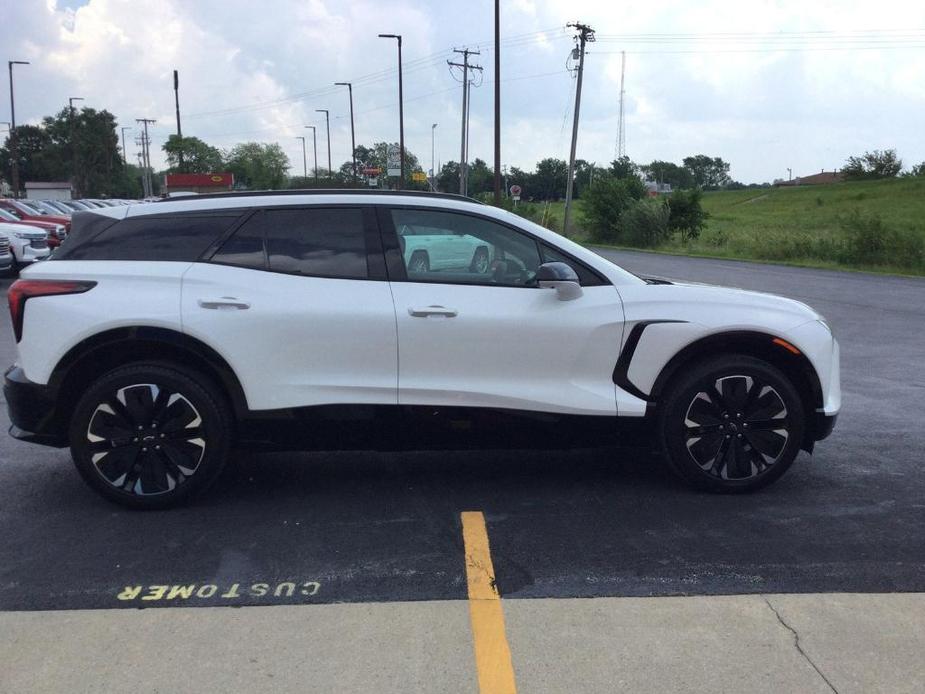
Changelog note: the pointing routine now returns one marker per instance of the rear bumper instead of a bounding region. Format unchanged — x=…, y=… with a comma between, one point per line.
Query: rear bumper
x=31, y=407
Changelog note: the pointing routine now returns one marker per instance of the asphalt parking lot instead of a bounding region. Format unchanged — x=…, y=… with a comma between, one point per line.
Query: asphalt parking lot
x=361, y=527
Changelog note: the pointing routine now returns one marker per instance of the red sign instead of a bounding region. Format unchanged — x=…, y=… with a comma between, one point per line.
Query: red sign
x=372, y=171
x=215, y=180
x=515, y=191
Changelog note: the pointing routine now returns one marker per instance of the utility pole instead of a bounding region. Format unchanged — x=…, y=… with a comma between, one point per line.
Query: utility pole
x=14, y=138
x=146, y=154
x=433, y=149
x=304, y=159
x=124, y=153
x=585, y=34
x=353, y=140
x=314, y=150
x=621, y=130
x=497, y=102
x=401, y=111
x=327, y=120
x=176, y=98
x=789, y=174
x=464, y=137
x=70, y=106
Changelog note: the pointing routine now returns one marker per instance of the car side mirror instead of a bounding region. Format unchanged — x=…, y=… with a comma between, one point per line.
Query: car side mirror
x=562, y=278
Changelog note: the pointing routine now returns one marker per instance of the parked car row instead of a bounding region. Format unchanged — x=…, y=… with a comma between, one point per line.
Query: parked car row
x=31, y=229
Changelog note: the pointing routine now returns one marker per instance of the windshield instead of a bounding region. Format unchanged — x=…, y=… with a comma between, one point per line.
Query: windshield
x=9, y=215
x=29, y=209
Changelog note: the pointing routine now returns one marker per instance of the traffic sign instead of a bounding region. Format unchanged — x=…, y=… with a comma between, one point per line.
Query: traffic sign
x=515, y=192
x=372, y=171
x=419, y=176
x=393, y=163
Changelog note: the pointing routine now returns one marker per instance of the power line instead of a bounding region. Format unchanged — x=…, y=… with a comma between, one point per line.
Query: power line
x=585, y=35
x=464, y=140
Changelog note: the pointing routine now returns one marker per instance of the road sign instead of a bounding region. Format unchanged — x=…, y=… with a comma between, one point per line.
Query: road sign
x=515, y=192
x=419, y=176
x=372, y=171
x=393, y=163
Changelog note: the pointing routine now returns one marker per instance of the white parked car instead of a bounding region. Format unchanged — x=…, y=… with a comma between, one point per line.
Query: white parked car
x=27, y=243
x=159, y=336
x=6, y=255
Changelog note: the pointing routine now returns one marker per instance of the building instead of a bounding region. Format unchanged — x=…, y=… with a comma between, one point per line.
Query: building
x=198, y=183
x=820, y=179
x=654, y=188
x=49, y=190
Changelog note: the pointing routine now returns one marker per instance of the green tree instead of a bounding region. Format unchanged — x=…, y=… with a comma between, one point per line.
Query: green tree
x=707, y=172
x=873, y=165
x=623, y=168
x=605, y=202
x=678, y=177
x=686, y=215
x=448, y=178
x=918, y=170
x=258, y=166
x=549, y=179
x=198, y=157
x=377, y=157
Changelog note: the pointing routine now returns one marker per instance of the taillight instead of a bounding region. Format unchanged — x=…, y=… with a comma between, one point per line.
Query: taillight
x=21, y=290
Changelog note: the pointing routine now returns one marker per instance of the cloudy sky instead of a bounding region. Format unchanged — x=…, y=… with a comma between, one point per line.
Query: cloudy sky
x=765, y=85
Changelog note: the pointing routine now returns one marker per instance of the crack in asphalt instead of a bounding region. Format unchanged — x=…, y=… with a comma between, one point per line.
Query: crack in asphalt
x=796, y=643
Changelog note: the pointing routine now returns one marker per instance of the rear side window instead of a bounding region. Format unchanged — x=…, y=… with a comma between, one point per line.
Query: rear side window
x=317, y=242
x=176, y=237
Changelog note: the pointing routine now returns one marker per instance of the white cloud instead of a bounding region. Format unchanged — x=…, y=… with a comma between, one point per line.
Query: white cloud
x=763, y=111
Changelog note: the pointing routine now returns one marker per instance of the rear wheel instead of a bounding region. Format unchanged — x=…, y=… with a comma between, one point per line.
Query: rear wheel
x=150, y=435
x=731, y=424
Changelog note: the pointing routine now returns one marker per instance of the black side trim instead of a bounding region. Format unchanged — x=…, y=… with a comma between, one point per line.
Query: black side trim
x=31, y=408
x=621, y=370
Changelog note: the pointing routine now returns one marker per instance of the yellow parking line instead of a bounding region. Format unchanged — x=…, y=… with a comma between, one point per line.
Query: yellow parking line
x=492, y=653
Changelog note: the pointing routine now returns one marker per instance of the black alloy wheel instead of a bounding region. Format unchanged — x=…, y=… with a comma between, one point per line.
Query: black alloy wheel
x=149, y=436
x=732, y=424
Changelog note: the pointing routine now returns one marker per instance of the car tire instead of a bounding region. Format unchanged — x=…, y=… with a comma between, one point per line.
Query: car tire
x=420, y=262
x=150, y=435
x=480, y=261
x=732, y=423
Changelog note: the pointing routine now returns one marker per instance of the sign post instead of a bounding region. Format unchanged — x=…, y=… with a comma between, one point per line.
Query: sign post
x=393, y=160
x=515, y=194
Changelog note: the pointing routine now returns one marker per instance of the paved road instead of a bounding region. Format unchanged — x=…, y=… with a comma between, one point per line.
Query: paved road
x=355, y=527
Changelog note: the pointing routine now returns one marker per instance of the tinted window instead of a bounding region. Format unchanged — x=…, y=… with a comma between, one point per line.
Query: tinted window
x=447, y=247
x=181, y=237
x=245, y=247
x=586, y=276
x=320, y=242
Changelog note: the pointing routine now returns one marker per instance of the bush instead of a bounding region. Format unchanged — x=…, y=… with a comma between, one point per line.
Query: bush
x=604, y=203
x=868, y=241
x=686, y=213
x=645, y=223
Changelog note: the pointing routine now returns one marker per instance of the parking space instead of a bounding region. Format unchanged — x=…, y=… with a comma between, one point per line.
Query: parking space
x=356, y=527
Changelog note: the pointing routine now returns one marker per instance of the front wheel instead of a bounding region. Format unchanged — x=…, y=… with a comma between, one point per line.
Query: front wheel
x=731, y=424
x=150, y=435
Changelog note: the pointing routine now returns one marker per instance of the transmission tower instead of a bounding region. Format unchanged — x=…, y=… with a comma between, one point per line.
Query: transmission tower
x=621, y=131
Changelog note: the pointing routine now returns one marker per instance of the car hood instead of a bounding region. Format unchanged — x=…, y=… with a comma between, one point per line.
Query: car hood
x=30, y=230
x=712, y=305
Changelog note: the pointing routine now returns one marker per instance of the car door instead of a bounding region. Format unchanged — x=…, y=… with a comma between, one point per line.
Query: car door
x=296, y=300
x=493, y=338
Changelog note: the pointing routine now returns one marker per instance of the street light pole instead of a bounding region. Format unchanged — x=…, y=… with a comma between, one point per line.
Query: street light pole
x=70, y=105
x=327, y=122
x=433, y=149
x=401, y=110
x=304, y=160
x=124, y=153
x=314, y=150
x=14, y=140
x=353, y=141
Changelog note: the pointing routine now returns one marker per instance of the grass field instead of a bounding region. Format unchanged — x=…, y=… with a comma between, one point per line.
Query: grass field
x=870, y=225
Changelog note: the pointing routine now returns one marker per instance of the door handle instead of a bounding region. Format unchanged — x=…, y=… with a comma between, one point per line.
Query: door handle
x=225, y=303
x=433, y=311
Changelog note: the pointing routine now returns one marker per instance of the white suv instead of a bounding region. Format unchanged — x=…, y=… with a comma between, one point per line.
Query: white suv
x=160, y=336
